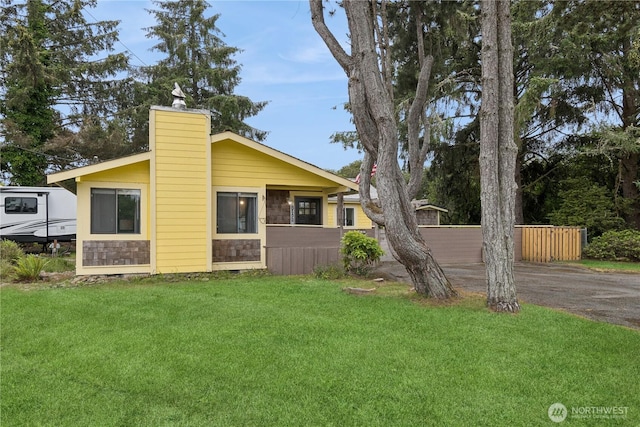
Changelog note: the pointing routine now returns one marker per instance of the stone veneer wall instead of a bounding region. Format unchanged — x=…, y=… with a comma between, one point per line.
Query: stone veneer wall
x=115, y=252
x=277, y=207
x=236, y=250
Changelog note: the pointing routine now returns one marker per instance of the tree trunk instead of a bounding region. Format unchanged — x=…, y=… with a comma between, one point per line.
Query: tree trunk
x=402, y=230
x=498, y=153
x=373, y=109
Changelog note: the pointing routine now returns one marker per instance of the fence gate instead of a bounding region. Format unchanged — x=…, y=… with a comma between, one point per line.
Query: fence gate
x=549, y=243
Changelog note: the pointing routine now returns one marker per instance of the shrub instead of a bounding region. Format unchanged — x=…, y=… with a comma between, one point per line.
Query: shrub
x=615, y=245
x=6, y=270
x=328, y=272
x=10, y=251
x=359, y=252
x=29, y=267
x=586, y=205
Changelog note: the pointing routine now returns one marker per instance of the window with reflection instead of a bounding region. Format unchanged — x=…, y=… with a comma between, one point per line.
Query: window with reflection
x=237, y=213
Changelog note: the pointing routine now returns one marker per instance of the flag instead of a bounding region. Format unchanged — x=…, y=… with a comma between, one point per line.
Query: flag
x=373, y=172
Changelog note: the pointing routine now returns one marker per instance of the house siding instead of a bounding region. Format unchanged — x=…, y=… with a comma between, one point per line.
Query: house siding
x=362, y=220
x=234, y=164
x=137, y=172
x=236, y=167
x=178, y=179
x=92, y=256
x=428, y=217
x=182, y=191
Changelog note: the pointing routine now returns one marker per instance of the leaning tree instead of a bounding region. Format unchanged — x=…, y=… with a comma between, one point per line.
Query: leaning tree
x=371, y=96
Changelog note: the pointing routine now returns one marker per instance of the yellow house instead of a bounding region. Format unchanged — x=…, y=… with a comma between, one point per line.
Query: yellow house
x=353, y=215
x=197, y=202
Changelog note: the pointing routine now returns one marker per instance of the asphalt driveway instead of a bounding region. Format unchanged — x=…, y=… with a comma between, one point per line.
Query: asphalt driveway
x=606, y=297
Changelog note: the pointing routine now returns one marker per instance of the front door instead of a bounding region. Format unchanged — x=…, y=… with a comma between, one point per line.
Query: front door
x=309, y=210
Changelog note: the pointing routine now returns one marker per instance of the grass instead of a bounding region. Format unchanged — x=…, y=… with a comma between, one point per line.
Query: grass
x=609, y=265
x=60, y=264
x=293, y=351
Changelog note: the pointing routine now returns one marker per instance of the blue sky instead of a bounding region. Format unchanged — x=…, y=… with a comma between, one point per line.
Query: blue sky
x=283, y=61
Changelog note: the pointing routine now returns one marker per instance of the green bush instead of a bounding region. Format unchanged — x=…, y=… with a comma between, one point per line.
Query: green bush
x=359, y=252
x=6, y=270
x=29, y=267
x=615, y=245
x=587, y=205
x=328, y=272
x=10, y=251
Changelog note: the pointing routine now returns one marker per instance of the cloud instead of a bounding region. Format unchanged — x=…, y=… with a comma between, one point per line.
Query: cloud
x=310, y=54
x=278, y=73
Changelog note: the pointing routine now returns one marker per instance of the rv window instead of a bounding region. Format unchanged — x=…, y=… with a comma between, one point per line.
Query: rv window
x=115, y=211
x=237, y=213
x=21, y=205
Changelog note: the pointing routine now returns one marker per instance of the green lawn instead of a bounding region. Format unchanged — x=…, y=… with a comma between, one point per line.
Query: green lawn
x=292, y=351
x=609, y=265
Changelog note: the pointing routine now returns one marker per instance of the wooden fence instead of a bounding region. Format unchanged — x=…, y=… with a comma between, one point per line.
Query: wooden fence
x=460, y=244
x=549, y=243
x=297, y=250
x=292, y=261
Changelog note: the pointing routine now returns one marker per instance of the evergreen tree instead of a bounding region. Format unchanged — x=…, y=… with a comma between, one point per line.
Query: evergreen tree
x=201, y=63
x=586, y=204
x=597, y=50
x=51, y=80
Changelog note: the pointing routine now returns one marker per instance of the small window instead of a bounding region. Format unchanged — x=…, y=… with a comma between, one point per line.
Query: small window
x=115, y=211
x=237, y=213
x=21, y=205
x=349, y=216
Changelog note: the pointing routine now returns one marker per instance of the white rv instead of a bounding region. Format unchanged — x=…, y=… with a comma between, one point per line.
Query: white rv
x=37, y=214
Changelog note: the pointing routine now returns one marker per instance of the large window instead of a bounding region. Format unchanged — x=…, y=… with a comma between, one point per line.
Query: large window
x=237, y=213
x=115, y=211
x=20, y=205
x=308, y=210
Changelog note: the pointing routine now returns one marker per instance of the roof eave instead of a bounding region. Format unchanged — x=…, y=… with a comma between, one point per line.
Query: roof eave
x=98, y=167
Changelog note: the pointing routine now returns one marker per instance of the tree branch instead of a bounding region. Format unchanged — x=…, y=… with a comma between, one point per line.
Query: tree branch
x=317, y=18
x=382, y=34
x=370, y=208
x=417, y=154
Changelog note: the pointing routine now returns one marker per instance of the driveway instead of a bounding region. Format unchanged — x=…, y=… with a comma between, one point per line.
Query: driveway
x=606, y=297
